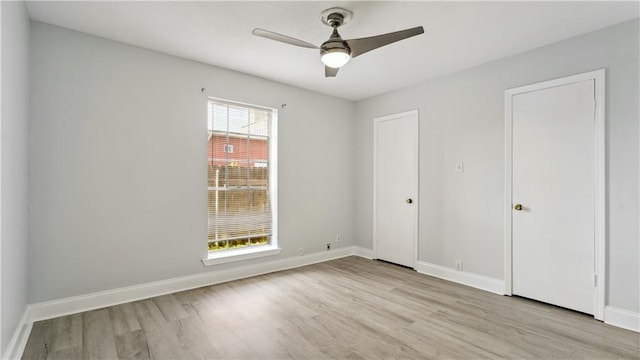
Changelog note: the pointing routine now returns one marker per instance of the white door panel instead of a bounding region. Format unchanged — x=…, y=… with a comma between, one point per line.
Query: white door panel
x=396, y=190
x=553, y=179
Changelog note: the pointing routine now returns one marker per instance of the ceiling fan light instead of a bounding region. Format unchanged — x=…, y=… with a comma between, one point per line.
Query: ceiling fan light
x=335, y=58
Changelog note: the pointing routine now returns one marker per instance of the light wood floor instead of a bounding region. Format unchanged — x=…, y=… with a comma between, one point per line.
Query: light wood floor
x=351, y=308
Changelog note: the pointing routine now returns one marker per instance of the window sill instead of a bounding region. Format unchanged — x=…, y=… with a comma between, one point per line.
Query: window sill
x=240, y=255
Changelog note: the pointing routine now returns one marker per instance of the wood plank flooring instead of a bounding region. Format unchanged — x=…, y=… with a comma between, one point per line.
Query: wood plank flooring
x=350, y=308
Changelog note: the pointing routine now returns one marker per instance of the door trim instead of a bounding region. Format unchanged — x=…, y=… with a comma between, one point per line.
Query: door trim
x=376, y=121
x=599, y=181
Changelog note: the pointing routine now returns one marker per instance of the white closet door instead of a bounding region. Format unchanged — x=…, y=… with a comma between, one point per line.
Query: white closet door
x=396, y=188
x=553, y=195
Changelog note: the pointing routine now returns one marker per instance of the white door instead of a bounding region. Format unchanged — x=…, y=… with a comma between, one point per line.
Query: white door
x=553, y=195
x=396, y=188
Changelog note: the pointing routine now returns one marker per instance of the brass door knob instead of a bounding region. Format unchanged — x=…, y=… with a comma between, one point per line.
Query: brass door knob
x=409, y=201
x=518, y=207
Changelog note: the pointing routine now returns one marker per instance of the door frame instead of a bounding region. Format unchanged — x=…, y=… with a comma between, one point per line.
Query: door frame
x=599, y=181
x=416, y=202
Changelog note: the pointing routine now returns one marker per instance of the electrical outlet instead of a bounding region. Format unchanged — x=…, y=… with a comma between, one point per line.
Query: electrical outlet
x=338, y=238
x=459, y=265
x=328, y=246
x=301, y=251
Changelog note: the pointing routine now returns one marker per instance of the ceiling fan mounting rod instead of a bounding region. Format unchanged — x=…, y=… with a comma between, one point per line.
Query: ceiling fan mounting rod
x=335, y=20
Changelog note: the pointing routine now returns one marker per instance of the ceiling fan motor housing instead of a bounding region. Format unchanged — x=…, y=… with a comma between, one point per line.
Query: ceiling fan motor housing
x=335, y=43
x=335, y=52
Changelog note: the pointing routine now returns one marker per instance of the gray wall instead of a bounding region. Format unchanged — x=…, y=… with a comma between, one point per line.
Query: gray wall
x=14, y=162
x=118, y=163
x=462, y=119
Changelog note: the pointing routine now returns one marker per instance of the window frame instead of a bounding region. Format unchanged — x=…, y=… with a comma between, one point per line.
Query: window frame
x=252, y=252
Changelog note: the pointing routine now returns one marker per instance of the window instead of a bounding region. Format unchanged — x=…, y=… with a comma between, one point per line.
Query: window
x=241, y=176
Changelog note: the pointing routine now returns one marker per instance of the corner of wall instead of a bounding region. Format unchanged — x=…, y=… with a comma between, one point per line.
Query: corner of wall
x=1, y=343
x=14, y=113
x=15, y=347
x=363, y=252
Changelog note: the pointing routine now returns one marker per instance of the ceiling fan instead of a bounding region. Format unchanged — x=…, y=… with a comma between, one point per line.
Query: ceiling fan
x=336, y=52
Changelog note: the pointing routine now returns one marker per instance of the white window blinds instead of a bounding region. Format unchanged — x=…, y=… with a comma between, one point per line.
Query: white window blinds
x=239, y=204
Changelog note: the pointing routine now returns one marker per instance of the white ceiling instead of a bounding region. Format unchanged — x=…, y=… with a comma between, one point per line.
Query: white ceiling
x=458, y=35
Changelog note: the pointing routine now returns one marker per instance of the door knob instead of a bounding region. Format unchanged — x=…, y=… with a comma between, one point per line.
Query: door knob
x=409, y=201
x=518, y=207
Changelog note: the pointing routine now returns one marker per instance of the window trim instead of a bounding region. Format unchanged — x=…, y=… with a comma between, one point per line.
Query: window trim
x=252, y=252
x=233, y=255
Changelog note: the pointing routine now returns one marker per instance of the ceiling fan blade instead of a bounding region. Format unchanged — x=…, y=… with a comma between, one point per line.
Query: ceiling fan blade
x=282, y=38
x=330, y=72
x=363, y=45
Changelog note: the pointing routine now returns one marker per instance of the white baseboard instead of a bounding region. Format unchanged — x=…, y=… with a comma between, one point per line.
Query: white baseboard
x=622, y=318
x=19, y=339
x=97, y=300
x=481, y=282
x=363, y=252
